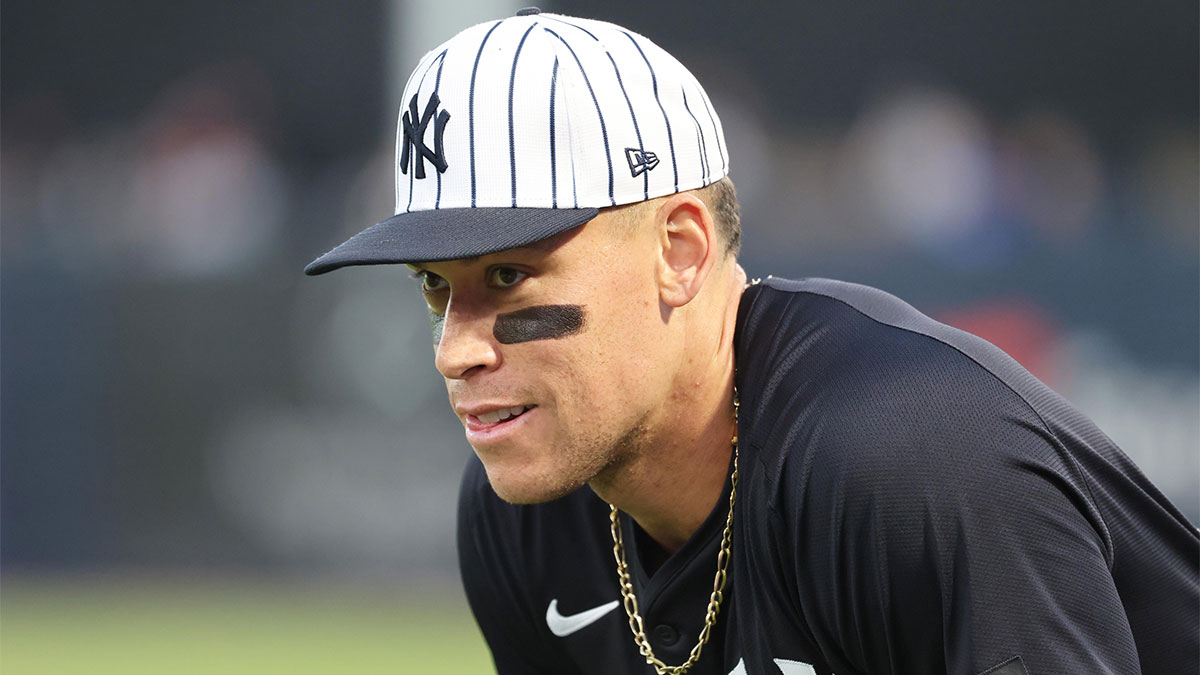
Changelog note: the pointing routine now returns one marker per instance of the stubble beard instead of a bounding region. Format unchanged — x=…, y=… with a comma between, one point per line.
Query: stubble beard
x=621, y=456
x=597, y=461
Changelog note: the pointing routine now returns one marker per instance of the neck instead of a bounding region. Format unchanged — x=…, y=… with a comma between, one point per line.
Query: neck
x=671, y=483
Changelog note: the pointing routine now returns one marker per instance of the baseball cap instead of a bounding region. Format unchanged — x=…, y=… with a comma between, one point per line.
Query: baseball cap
x=518, y=129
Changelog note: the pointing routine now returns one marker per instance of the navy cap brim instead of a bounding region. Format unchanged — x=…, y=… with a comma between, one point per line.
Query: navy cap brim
x=448, y=234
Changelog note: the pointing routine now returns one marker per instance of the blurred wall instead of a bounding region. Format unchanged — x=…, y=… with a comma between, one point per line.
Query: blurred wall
x=175, y=395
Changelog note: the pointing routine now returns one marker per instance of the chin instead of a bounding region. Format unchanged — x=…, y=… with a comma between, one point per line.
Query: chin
x=517, y=487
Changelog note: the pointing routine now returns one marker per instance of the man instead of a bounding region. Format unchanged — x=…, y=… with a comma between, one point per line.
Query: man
x=683, y=472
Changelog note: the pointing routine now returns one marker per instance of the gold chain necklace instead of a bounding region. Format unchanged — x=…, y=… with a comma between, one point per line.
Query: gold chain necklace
x=714, y=600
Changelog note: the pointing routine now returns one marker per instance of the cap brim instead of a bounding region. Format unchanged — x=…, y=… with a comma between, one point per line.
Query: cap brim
x=448, y=234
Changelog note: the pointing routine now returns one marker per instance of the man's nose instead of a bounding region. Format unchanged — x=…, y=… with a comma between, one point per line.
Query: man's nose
x=466, y=344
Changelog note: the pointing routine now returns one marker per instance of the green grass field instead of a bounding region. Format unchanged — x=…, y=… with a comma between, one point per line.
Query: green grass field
x=168, y=626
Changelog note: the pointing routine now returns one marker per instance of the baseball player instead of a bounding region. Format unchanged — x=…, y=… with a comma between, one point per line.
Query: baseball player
x=683, y=471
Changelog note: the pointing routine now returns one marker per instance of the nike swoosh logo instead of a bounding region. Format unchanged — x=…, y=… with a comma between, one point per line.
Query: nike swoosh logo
x=563, y=626
x=786, y=667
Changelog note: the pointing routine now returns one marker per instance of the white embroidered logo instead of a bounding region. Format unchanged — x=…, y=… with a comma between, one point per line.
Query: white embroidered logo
x=563, y=626
x=786, y=667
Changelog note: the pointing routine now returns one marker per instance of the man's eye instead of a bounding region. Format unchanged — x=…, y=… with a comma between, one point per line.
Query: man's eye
x=503, y=277
x=430, y=282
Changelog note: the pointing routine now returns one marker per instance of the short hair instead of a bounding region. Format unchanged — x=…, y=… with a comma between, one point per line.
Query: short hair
x=720, y=198
x=722, y=201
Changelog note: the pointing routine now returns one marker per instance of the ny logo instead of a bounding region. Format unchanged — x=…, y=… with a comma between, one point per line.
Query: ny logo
x=414, y=137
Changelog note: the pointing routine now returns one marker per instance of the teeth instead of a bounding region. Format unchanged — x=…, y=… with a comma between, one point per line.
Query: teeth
x=502, y=414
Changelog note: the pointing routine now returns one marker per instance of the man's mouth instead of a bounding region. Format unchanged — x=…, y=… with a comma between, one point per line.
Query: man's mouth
x=503, y=414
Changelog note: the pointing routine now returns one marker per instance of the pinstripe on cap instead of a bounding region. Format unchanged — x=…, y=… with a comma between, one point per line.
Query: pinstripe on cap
x=515, y=130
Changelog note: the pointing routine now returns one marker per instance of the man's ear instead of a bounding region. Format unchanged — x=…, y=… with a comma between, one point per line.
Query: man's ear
x=688, y=247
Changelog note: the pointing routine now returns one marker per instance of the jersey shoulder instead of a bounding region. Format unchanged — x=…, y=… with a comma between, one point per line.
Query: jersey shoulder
x=831, y=319
x=856, y=384
x=891, y=454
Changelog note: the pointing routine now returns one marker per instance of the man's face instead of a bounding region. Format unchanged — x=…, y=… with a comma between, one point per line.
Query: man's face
x=553, y=354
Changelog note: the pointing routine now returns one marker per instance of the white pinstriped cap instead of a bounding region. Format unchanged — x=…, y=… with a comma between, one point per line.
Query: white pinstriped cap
x=515, y=130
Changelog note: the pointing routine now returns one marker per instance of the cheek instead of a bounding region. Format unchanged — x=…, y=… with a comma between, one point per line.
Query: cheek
x=627, y=329
x=607, y=365
x=635, y=349
x=599, y=357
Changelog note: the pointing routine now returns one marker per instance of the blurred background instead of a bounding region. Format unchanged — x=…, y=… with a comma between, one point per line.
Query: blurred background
x=211, y=462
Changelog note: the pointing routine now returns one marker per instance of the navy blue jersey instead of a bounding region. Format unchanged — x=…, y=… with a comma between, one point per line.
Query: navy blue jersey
x=910, y=500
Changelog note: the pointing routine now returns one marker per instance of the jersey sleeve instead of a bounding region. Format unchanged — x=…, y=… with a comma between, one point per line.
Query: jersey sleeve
x=961, y=540
x=487, y=558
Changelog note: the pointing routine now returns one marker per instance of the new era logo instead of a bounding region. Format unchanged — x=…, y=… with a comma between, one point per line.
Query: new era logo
x=640, y=161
